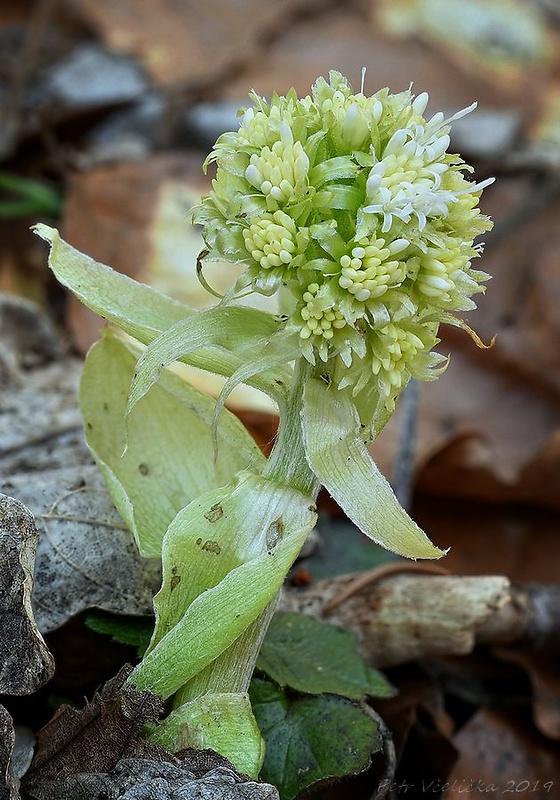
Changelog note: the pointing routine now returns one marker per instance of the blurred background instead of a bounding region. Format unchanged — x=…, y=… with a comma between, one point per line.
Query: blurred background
x=108, y=110
x=109, y=107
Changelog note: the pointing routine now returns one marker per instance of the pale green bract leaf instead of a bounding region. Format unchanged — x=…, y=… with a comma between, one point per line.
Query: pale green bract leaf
x=234, y=329
x=275, y=353
x=142, y=311
x=225, y=557
x=218, y=532
x=223, y=722
x=341, y=461
x=170, y=458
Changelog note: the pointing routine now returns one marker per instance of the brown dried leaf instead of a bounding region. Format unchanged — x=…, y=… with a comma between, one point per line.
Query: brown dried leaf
x=185, y=41
x=520, y=543
x=315, y=46
x=420, y=725
x=545, y=682
x=94, y=738
x=502, y=753
x=25, y=661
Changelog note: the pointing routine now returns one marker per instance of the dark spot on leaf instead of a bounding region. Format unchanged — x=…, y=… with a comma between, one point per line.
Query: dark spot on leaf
x=212, y=547
x=274, y=533
x=175, y=581
x=215, y=513
x=105, y=406
x=143, y=469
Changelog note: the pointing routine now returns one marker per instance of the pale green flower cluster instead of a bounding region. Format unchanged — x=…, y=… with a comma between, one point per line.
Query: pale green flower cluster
x=353, y=208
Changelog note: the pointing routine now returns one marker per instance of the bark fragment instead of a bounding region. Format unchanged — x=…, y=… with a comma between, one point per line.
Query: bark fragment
x=402, y=617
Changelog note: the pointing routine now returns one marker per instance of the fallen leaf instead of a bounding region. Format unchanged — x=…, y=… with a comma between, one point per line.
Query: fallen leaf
x=421, y=728
x=73, y=507
x=321, y=43
x=521, y=543
x=25, y=661
x=160, y=780
x=40, y=425
x=311, y=739
x=173, y=41
x=501, y=752
x=94, y=738
x=540, y=665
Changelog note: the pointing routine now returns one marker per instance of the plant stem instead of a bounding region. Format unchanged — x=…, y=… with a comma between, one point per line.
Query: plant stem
x=288, y=463
x=232, y=670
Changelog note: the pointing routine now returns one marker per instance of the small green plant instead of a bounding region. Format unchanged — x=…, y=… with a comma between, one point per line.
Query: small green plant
x=22, y=197
x=352, y=210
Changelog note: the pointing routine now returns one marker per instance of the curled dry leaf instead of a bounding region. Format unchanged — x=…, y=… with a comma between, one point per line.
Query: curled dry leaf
x=92, y=739
x=25, y=661
x=158, y=780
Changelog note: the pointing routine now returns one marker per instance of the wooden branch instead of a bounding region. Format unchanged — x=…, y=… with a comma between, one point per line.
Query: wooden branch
x=400, y=617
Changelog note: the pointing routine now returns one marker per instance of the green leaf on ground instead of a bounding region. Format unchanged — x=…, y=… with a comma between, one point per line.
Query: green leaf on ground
x=310, y=739
x=134, y=631
x=314, y=657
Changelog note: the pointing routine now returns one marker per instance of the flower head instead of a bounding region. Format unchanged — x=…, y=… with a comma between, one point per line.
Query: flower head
x=353, y=209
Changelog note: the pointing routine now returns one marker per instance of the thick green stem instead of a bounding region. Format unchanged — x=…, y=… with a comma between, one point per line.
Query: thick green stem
x=232, y=670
